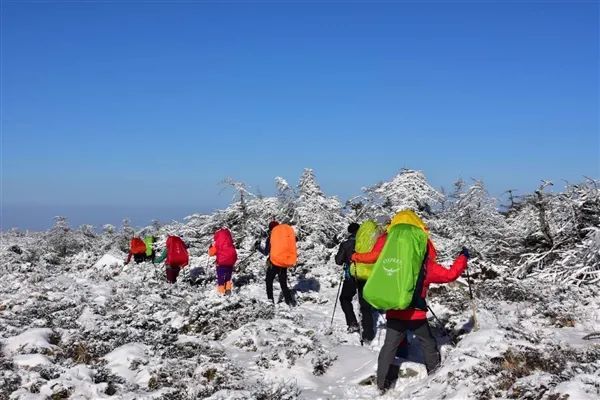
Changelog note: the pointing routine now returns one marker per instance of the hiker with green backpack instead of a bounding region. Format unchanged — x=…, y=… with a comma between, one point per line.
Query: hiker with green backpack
x=362, y=238
x=405, y=266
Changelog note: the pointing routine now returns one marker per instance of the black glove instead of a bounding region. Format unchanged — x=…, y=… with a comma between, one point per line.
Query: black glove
x=465, y=252
x=257, y=245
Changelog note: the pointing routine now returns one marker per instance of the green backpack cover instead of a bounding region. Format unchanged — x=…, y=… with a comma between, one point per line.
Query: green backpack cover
x=366, y=236
x=394, y=277
x=149, y=241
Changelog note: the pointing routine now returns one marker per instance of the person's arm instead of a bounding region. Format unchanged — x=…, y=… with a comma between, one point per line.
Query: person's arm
x=436, y=273
x=265, y=250
x=371, y=257
x=212, y=251
x=161, y=258
x=342, y=255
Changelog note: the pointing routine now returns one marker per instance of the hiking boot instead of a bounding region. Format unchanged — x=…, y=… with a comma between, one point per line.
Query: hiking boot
x=352, y=329
x=227, y=292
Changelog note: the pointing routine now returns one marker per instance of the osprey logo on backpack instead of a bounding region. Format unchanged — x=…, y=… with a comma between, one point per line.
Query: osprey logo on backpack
x=396, y=265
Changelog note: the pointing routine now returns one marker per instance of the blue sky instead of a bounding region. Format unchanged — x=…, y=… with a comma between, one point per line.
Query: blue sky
x=140, y=109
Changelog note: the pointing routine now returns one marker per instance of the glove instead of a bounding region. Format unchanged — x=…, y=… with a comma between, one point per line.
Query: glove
x=465, y=252
x=257, y=245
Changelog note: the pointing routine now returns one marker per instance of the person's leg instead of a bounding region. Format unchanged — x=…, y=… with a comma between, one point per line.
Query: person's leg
x=287, y=295
x=269, y=281
x=366, y=311
x=138, y=258
x=228, y=283
x=431, y=353
x=394, y=334
x=172, y=274
x=221, y=275
x=348, y=292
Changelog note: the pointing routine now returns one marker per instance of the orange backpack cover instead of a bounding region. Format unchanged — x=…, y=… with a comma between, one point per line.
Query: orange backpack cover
x=283, y=246
x=137, y=246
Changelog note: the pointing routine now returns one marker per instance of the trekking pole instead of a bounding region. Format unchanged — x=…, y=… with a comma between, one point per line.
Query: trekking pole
x=472, y=300
x=360, y=316
x=442, y=326
x=337, y=296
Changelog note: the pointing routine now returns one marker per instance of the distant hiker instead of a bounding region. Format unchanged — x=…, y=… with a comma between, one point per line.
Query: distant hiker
x=224, y=249
x=280, y=248
x=343, y=257
x=176, y=256
x=405, y=266
x=137, y=249
x=149, y=242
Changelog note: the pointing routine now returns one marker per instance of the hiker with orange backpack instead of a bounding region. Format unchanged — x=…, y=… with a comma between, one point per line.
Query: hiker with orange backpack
x=137, y=249
x=405, y=266
x=176, y=256
x=280, y=249
x=224, y=249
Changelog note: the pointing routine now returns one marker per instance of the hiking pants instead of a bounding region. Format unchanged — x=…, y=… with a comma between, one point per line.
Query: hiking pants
x=281, y=273
x=223, y=274
x=172, y=273
x=396, y=333
x=138, y=258
x=349, y=289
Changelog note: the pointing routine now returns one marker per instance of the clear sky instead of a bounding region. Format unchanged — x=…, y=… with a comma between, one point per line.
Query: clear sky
x=113, y=109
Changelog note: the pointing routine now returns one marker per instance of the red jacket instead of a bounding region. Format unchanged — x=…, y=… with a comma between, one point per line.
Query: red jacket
x=434, y=273
x=223, y=248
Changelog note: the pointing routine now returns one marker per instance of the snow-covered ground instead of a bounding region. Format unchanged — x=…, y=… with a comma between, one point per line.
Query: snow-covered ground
x=76, y=323
x=93, y=328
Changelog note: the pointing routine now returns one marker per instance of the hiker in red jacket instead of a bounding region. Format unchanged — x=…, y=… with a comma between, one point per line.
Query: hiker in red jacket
x=224, y=249
x=175, y=256
x=415, y=317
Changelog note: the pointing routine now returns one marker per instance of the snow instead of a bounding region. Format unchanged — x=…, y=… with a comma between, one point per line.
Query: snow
x=80, y=324
x=32, y=340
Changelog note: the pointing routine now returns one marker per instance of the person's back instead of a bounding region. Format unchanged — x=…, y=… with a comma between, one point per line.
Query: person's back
x=224, y=249
x=137, y=250
x=280, y=254
x=414, y=317
x=175, y=255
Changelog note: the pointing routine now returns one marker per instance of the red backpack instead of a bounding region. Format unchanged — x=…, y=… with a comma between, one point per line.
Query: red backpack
x=226, y=254
x=177, y=254
x=137, y=246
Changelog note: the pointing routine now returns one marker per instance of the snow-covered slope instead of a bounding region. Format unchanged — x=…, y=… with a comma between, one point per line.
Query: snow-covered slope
x=96, y=329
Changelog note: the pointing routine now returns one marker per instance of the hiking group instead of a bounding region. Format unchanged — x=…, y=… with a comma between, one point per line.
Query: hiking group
x=388, y=263
x=280, y=249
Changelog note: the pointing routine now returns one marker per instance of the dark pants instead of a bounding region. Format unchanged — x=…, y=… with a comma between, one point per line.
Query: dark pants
x=349, y=289
x=172, y=273
x=138, y=258
x=395, y=334
x=223, y=275
x=281, y=273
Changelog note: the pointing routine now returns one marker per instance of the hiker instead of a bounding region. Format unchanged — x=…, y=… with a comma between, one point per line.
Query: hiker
x=224, y=249
x=280, y=249
x=414, y=246
x=137, y=249
x=149, y=242
x=176, y=256
x=353, y=284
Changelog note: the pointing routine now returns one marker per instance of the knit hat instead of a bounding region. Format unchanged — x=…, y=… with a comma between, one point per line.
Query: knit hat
x=273, y=224
x=353, y=228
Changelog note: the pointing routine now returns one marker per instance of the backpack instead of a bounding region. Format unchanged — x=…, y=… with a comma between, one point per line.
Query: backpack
x=149, y=241
x=177, y=254
x=366, y=236
x=395, y=274
x=283, y=246
x=137, y=246
x=226, y=254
